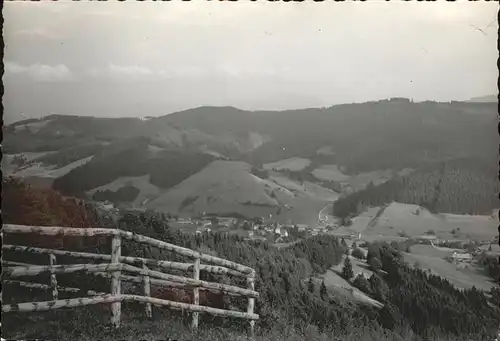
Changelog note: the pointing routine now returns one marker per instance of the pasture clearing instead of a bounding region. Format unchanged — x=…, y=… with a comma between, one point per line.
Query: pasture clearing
x=463, y=276
x=330, y=173
x=406, y=220
x=334, y=282
x=230, y=187
x=142, y=183
x=293, y=164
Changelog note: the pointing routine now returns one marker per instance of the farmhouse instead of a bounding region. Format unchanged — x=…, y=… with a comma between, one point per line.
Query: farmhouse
x=461, y=257
x=282, y=232
x=427, y=239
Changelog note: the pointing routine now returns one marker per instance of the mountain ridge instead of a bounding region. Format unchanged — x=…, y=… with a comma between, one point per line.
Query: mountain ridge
x=386, y=136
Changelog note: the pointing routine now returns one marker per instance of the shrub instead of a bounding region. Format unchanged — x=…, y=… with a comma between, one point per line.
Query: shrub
x=358, y=253
x=362, y=284
x=375, y=264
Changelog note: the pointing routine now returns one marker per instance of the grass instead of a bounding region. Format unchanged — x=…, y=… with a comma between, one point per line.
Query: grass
x=147, y=190
x=402, y=220
x=91, y=324
x=293, y=164
x=465, y=277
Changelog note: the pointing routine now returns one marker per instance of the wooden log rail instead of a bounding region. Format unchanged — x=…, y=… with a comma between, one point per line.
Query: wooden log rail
x=49, y=287
x=129, y=260
x=89, y=232
x=21, y=271
x=78, y=302
x=115, y=269
x=134, y=279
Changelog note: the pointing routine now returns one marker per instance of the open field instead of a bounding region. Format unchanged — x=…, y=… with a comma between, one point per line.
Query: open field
x=326, y=150
x=38, y=169
x=462, y=276
x=354, y=182
x=429, y=251
x=37, y=174
x=147, y=190
x=330, y=173
x=293, y=164
x=405, y=220
x=230, y=187
x=8, y=167
x=402, y=221
x=307, y=189
x=334, y=282
x=33, y=127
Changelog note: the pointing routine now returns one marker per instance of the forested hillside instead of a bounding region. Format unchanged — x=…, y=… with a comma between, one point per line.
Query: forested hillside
x=24, y=205
x=165, y=167
x=463, y=186
x=57, y=132
x=385, y=134
x=413, y=300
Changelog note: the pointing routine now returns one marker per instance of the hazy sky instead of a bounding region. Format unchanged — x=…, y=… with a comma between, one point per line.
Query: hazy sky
x=152, y=58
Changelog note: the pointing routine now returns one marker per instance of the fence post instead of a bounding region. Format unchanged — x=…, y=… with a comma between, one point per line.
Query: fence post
x=196, y=293
x=115, y=280
x=53, y=278
x=251, y=303
x=147, y=291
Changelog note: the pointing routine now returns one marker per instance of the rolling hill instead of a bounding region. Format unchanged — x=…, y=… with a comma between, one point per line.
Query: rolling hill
x=230, y=187
x=484, y=99
x=332, y=148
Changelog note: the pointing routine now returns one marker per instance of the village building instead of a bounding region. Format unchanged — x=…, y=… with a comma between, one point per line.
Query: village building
x=301, y=227
x=461, y=257
x=282, y=232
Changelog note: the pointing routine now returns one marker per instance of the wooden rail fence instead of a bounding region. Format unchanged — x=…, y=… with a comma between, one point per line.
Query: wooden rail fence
x=140, y=267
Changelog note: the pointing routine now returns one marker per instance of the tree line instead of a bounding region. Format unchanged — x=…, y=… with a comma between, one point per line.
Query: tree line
x=460, y=187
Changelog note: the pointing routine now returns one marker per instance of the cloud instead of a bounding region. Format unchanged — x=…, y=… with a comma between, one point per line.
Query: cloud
x=41, y=72
x=184, y=71
x=130, y=71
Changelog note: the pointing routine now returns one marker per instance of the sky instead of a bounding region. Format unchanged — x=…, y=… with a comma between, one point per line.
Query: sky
x=152, y=58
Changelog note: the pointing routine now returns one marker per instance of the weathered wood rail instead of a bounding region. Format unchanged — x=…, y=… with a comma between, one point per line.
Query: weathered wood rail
x=118, y=264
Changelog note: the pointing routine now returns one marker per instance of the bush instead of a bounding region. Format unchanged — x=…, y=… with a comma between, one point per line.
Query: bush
x=362, y=284
x=375, y=264
x=358, y=253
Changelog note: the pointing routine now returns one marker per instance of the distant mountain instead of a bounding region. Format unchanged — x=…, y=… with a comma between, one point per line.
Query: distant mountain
x=387, y=135
x=484, y=99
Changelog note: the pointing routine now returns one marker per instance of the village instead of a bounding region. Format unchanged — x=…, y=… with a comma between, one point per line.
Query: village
x=280, y=234
x=258, y=228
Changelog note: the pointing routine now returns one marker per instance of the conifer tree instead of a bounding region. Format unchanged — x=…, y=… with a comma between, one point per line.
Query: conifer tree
x=310, y=285
x=322, y=290
x=347, y=272
x=343, y=242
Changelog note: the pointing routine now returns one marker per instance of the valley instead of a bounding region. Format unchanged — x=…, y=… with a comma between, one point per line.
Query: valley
x=251, y=171
x=242, y=177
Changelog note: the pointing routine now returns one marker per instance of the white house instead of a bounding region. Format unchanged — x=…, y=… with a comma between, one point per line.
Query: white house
x=461, y=257
x=281, y=231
